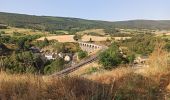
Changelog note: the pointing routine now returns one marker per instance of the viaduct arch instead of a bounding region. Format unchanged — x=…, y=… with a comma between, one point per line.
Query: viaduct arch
x=89, y=47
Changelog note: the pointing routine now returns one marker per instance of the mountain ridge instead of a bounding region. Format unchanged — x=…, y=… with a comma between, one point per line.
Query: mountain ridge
x=52, y=23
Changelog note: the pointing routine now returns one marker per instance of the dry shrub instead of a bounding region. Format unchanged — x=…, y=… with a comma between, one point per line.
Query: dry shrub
x=109, y=77
x=19, y=87
x=158, y=60
x=32, y=87
x=128, y=85
x=122, y=85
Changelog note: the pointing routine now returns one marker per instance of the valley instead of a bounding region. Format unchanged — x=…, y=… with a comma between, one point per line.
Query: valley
x=73, y=59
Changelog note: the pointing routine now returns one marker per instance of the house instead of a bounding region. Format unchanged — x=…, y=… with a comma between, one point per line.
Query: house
x=51, y=56
x=67, y=58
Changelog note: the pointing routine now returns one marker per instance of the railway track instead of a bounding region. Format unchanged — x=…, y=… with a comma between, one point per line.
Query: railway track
x=83, y=62
x=75, y=67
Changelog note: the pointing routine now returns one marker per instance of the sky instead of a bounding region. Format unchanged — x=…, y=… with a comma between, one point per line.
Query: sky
x=108, y=10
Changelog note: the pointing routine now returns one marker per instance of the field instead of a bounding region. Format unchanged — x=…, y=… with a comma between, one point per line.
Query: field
x=86, y=38
x=60, y=38
x=97, y=31
x=10, y=30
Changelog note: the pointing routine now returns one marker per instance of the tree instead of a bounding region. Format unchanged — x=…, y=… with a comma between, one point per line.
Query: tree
x=20, y=44
x=1, y=32
x=131, y=58
x=77, y=37
x=3, y=49
x=167, y=46
x=54, y=66
x=45, y=42
x=111, y=57
x=82, y=54
x=90, y=40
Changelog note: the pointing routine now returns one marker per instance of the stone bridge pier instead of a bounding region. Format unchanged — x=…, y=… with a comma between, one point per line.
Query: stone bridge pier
x=89, y=47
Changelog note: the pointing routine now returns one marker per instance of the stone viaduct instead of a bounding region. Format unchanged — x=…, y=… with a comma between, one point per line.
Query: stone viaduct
x=89, y=47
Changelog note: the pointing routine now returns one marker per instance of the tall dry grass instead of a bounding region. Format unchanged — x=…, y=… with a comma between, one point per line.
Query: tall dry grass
x=30, y=87
x=158, y=60
x=119, y=84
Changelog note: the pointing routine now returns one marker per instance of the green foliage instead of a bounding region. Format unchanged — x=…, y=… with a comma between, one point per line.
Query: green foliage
x=94, y=34
x=92, y=70
x=16, y=39
x=57, y=32
x=141, y=44
x=111, y=57
x=82, y=54
x=3, y=49
x=77, y=37
x=167, y=46
x=17, y=34
x=24, y=62
x=131, y=58
x=43, y=43
x=46, y=23
x=111, y=30
x=2, y=32
x=46, y=42
x=90, y=40
x=21, y=44
x=54, y=66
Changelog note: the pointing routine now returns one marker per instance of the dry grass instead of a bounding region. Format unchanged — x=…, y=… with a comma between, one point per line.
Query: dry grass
x=86, y=38
x=30, y=87
x=84, y=69
x=119, y=84
x=121, y=38
x=158, y=60
x=60, y=38
x=21, y=30
x=98, y=31
x=108, y=77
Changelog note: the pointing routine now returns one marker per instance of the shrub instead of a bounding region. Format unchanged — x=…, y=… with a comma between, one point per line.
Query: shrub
x=111, y=57
x=82, y=54
x=131, y=58
x=54, y=66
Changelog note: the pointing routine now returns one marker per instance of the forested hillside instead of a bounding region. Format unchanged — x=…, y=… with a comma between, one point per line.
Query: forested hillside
x=144, y=24
x=48, y=23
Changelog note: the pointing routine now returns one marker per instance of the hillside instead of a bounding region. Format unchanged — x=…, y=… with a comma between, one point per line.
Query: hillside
x=144, y=24
x=49, y=23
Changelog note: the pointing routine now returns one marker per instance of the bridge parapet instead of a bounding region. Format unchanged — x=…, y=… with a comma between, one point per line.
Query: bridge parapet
x=89, y=47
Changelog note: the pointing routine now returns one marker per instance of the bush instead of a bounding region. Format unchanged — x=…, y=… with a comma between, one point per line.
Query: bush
x=82, y=54
x=25, y=62
x=54, y=66
x=131, y=58
x=77, y=37
x=141, y=44
x=167, y=46
x=111, y=57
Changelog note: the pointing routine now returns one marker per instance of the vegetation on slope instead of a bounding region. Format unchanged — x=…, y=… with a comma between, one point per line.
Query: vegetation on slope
x=118, y=84
x=47, y=23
